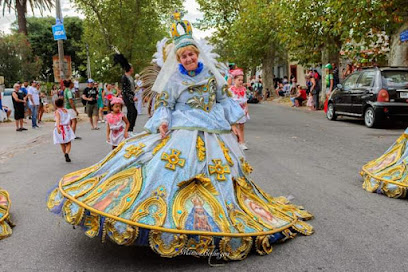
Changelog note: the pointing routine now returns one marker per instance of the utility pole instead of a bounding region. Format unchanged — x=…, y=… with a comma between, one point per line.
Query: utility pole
x=88, y=62
x=60, y=43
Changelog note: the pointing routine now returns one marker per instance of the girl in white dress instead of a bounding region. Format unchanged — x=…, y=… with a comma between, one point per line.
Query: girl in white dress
x=238, y=91
x=63, y=134
x=117, y=124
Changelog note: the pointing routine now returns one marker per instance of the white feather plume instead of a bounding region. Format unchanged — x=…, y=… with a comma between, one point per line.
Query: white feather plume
x=158, y=57
x=208, y=51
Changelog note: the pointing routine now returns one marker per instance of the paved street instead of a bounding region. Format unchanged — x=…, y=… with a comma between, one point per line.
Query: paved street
x=294, y=153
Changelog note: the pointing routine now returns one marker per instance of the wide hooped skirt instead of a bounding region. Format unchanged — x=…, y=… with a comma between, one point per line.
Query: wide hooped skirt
x=5, y=222
x=388, y=174
x=190, y=192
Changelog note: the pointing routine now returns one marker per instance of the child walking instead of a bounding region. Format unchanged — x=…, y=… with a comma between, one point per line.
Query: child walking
x=63, y=134
x=310, y=102
x=117, y=125
x=239, y=94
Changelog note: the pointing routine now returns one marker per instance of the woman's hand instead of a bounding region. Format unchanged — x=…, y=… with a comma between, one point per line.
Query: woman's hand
x=164, y=128
x=126, y=134
x=235, y=129
x=58, y=130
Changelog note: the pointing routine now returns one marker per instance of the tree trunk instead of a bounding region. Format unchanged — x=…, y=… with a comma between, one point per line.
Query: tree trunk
x=21, y=7
x=267, y=69
x=399, y=50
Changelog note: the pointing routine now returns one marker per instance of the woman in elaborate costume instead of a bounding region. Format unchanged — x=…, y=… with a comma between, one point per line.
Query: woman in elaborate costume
x=388, y=174
x=185, y=184
x=5, y=222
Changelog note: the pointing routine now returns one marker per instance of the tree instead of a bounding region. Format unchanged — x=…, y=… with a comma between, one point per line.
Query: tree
x=17, y=61
x=245, y=33
x=20, y=6
x=43, y=44
x=133, y=26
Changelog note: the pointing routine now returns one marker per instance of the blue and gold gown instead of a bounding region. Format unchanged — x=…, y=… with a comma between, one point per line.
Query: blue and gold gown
x=190, y=191
x=388, y=174
x=5, y=222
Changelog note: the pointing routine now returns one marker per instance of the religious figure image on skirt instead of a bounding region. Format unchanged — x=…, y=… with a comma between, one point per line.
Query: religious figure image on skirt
x=185, y=182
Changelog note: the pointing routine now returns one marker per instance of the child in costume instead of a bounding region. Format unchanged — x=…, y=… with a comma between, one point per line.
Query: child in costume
x=117, y=124
x=63, y=134
x=239, y=95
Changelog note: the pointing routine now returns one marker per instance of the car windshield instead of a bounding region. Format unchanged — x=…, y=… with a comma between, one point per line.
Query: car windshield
x=395, y=78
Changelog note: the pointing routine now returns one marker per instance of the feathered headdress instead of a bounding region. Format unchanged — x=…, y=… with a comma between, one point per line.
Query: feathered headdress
x=120, y=58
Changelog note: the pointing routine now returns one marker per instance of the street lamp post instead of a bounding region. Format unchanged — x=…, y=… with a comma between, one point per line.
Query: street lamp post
x=60, y=42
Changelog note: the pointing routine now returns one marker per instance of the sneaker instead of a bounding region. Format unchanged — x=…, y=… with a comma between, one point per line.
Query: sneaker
x=243, y=146
x=35, y=127
x=19, y=129
x=78, y=138
x=67, y=159
x=23, y=128
x=99, y=121
x=103, y=121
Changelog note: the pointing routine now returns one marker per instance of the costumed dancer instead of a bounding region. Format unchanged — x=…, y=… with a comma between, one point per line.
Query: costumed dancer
x=387, y=175
x=184, y=184
x=117, y=124
x=63, y=134
x=128, y=89
x=5, y=221
x=239, y=95
x=139, y=94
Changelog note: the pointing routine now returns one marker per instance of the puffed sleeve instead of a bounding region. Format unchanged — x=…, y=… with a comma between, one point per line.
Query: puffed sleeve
x=232, y=110
x=162, y=114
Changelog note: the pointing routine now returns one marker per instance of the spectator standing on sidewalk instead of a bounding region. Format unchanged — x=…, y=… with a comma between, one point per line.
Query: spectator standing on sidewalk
x=19, y=104
x=70, y=105
x=329, y=79
x=90, y=95
x=34, y=100
x=101, y=95
x=315, y=89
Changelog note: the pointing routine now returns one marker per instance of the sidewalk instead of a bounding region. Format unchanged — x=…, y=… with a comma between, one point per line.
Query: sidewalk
x=13, y=142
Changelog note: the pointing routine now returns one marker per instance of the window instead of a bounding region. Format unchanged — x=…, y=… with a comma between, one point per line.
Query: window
x=396, y=79
x=350, y=82
x=366, y=79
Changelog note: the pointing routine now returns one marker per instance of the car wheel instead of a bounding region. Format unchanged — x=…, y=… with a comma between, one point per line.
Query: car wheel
x=370, y=120
x=331, y=113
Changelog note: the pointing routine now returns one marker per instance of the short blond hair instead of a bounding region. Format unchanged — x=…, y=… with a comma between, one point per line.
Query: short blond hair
x=183, y=49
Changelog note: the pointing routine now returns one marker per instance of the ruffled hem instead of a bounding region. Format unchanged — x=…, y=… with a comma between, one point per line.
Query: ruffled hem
x=374, y=184
x=388, y=174
x=147, y=193
x=168, y=242
x=5, y=221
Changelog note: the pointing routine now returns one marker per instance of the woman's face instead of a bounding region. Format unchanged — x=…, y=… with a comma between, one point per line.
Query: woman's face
x=239, y=81
x=189, y=60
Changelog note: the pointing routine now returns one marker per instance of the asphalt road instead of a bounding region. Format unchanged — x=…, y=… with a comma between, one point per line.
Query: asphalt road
x=294, y=153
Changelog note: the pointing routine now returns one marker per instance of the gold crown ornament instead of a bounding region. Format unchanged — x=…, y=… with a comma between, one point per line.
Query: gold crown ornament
x=181, y=31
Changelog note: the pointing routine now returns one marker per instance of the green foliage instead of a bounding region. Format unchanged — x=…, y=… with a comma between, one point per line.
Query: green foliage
x=17, y=62
x=43, y=43
x=133, y=26
x=247, y=29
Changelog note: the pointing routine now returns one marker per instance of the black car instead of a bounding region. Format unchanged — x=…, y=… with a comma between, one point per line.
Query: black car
x=375, y=94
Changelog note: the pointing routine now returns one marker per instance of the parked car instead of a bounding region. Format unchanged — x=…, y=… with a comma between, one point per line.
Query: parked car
x=375, y=94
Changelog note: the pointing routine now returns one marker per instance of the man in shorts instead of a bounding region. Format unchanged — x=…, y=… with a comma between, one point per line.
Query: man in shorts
x=70, y=105
x=90, y=95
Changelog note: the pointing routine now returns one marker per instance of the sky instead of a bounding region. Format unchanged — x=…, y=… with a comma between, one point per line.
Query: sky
x=68, y=10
